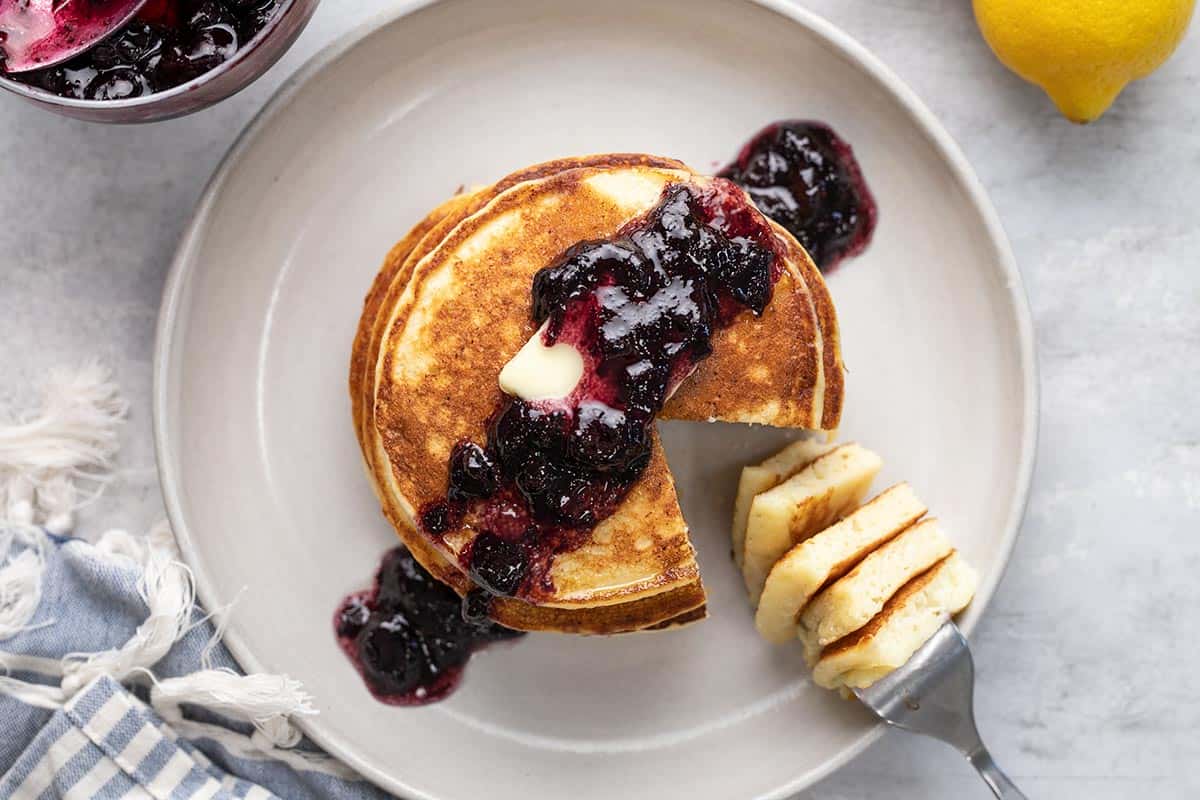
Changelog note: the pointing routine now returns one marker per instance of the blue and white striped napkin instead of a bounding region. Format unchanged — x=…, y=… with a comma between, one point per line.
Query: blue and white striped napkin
x=113, y=683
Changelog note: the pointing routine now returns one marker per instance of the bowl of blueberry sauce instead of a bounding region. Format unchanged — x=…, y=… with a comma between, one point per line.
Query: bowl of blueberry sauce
x=174, y=57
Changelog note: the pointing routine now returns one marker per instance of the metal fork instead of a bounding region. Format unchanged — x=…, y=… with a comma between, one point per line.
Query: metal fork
x=933, y=694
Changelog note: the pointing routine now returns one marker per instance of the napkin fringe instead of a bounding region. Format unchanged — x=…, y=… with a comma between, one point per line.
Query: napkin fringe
x=58, y=459
x=20, y=578
x=52, y=463
x=266, y=701
x=167, y=589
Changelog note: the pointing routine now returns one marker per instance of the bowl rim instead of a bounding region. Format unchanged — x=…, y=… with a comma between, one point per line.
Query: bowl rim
x=175, y=294
x=154, y=98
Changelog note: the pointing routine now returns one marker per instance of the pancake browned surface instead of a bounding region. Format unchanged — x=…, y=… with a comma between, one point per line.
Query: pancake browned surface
x=437, y=385
x=855, y=598
x=906, y=621
x=365, y=350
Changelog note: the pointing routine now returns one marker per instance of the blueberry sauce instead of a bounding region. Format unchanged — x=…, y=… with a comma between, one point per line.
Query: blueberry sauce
x=641, y=309
x=409, y=636
x=168, y=43
x=805, y=177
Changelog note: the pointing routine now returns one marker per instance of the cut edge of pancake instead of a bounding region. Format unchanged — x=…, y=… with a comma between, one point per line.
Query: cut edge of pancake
x=803, y=505
x=905, y=623
x=818, y=561
x=758, y=478
x=854, y=599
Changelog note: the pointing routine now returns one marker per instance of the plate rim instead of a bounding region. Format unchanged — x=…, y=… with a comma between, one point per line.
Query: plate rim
x=176, y=285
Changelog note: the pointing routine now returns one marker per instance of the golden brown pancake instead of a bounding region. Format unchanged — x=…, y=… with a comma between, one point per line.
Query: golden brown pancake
x=389, y=282
x=641, y=558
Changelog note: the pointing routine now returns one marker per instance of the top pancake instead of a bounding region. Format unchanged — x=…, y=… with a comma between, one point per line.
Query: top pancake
x=457, y=307
x=681, y=604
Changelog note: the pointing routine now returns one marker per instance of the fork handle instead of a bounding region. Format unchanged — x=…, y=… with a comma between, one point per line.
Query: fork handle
x=995, y=778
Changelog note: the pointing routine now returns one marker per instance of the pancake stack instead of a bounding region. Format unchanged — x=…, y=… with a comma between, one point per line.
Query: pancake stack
x=861, y=586
x=450, y=308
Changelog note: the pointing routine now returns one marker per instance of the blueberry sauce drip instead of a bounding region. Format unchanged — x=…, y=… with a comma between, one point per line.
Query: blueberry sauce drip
x=805, y=177
x=168, y=43
x=410, y=636
x=641, y=309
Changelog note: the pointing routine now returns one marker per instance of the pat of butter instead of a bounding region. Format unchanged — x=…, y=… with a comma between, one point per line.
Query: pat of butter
x=538, y=372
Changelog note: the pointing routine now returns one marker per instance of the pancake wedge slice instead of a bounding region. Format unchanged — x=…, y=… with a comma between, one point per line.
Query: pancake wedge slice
x=905, y=623
x=757, y=479
x=853, y=600
x=818, y=561
x=804, y=504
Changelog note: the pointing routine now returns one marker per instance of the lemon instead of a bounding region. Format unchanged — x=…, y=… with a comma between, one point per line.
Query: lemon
x=1083, y=52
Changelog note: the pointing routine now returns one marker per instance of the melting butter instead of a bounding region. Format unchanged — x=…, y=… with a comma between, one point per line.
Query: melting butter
x=538, y=372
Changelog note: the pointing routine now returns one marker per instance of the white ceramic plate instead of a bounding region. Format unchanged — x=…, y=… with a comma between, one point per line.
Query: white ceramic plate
x=259, y=462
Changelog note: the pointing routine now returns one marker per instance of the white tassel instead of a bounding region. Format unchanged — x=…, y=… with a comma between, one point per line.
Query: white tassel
x=33, y=694
x=72, y=439
x=167, y=589
x=38, y=665
x=18, y=500
x=20, y=579
x=265, y=701
x=219, y=617
x=248, y=748
x=122, y=544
